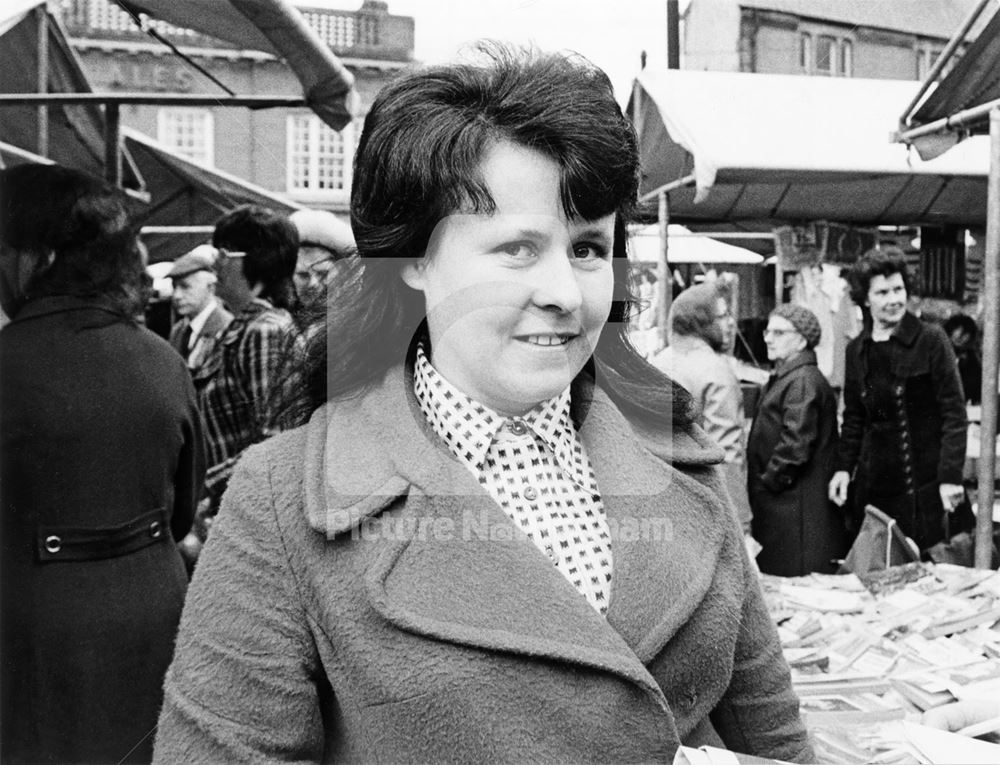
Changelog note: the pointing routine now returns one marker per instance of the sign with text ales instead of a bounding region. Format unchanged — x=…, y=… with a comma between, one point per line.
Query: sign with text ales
x=941, y=273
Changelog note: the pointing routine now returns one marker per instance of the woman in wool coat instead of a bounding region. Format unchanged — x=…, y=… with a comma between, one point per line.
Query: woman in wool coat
x=904, y=430
x=498, y=537
x=790, y=454
x=101, y=464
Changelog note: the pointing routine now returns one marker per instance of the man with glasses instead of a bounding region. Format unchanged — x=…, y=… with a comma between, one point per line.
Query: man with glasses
x=324, y=240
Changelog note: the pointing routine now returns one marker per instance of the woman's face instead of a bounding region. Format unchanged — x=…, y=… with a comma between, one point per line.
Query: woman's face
x=887, y=299
x=782, y=339
x=726, y=324
x=516, y=300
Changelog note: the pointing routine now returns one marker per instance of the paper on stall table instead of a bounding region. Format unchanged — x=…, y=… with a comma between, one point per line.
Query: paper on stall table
x=816, y=599
x=940, y=746
x=706, y=755
x=709, y=755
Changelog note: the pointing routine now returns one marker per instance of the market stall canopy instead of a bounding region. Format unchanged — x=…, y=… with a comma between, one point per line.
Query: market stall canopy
x=184, y=193
x=271, y=26
x=75, y=132
x=733, y=146
x=973, y=80
x=684, y=246
x=11, y=155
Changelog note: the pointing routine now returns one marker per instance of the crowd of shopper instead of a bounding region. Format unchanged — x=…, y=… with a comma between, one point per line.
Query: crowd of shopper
x=427, y=453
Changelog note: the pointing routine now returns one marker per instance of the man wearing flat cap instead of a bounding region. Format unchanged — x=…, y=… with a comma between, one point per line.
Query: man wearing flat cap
x=203, y=317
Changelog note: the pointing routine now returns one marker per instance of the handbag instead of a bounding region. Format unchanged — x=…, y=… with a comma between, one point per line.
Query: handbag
x=880, y=544
x=959, y=550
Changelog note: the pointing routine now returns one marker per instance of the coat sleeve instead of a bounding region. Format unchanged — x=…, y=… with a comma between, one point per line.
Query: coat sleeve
x=799, y=433
x=244, y=682
x=951, y=400
x=189, y=477
x=853, y=425
x=759, y=713
x=722, y=411
x=265, y=357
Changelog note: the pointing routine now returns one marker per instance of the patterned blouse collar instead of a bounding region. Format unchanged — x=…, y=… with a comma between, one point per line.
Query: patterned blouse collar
x=469, y=427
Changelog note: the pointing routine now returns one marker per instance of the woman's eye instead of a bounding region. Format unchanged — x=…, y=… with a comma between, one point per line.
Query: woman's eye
x=518, y=250
x=589, y=251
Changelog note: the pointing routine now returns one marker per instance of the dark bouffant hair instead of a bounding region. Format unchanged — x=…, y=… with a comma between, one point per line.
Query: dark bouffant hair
x=884, y=262
x=82, y=223
x=964, y=322
x=419, y=160
x=270, y=243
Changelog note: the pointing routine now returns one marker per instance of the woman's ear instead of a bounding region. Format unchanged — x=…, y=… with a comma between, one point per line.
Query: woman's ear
x=413, y=274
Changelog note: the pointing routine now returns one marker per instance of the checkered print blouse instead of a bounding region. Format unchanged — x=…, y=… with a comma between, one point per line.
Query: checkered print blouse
x=536, y=469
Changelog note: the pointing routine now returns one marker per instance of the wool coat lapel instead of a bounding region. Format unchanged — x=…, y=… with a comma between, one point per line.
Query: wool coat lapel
x=657, y=583
x=451, y=565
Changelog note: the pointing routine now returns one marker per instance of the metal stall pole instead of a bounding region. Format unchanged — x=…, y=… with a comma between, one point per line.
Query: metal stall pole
x=43, y=79
x=664, y=280
x=112, y=149
x=991, y=352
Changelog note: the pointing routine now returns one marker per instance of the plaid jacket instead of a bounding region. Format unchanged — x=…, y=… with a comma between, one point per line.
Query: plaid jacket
x=239, y=386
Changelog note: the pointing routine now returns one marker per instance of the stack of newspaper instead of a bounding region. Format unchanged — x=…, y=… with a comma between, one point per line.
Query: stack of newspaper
x=869, y=657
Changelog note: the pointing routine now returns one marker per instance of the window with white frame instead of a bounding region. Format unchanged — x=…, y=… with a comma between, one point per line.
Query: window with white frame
x=824, y=53
x=319, y=157
x=846, y=58
x=927, y=55
x=805, y=52
x=188, y=132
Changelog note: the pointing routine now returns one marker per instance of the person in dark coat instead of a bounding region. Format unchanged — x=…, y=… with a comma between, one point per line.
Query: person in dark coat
x=101, y=465
x=204, y=319
x=790, y=453
x=964, y=336
x=904, y=430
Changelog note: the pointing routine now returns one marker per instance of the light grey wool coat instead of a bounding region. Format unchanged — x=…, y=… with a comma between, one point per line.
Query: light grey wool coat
x=361, y=598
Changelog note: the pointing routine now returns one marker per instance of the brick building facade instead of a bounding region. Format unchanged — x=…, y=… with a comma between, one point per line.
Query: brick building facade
x=289, y=151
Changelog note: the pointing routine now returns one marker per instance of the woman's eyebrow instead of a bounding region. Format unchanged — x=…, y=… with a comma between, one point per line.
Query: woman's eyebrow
x=593, y=232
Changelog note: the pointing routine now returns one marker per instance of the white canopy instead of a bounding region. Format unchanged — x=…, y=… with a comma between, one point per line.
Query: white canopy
x=761, y=147
x=684, y=246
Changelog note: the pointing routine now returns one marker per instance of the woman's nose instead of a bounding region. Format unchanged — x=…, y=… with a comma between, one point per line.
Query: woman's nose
x=555, y=284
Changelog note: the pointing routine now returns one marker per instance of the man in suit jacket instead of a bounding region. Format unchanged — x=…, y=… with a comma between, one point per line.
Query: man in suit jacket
x=204, y=319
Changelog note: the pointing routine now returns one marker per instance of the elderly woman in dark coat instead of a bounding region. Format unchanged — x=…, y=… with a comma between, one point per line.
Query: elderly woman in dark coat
x=101, y=465
x=790, y=453
x=904, y=430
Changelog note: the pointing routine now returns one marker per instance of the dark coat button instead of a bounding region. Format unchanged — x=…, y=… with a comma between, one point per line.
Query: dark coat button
x=53, y=544
x=690, y=699
x=155, y=529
